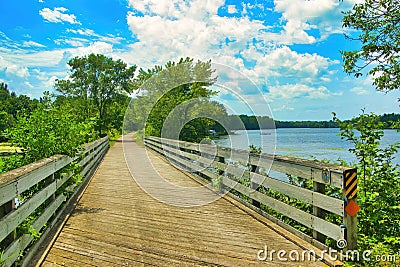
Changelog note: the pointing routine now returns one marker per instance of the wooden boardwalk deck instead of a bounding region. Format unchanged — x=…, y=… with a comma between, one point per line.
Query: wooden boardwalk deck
x=115, y=223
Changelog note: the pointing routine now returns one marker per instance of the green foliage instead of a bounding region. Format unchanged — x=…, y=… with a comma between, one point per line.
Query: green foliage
x=99, y=82
x=11, y=162
x=10, y=106
x=175, y=98
x=377, y=22
x=379, y=183
x=254, y=149
x=50, y=131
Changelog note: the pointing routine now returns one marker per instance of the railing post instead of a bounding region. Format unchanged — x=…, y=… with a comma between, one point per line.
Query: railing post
x=221, y=173
x=351, y=208
x=254, y=168
x=318, y=212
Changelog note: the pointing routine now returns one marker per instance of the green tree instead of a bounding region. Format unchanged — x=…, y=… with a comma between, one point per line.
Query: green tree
x=378, y=26
x=96, y=80
x=180, y=89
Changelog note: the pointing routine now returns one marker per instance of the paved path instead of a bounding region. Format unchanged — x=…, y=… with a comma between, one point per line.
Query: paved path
x=115, y=223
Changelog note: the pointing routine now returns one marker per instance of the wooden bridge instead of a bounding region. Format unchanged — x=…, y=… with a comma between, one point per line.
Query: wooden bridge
x=110, y=219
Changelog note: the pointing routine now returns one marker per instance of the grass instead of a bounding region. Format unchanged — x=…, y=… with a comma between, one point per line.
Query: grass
x=334, y=148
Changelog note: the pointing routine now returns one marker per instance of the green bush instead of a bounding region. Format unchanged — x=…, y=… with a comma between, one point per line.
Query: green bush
x=49, y=131
x=379, y=186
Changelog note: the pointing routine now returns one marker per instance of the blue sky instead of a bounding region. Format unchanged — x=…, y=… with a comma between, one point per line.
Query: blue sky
x=288, y=48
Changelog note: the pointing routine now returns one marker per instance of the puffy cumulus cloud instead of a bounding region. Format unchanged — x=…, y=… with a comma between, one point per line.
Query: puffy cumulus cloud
x=95, y=48
x=175, y=9
x=13, y=69
x=232, y=9
x=284, y=63
x=167, y=30
x=296, y=91
x=303, y=15
x=170, y=29
x=58, y=15
x=18, y=71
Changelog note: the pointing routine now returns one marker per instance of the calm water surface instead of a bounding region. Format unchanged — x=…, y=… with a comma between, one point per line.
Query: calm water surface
x=321, y=143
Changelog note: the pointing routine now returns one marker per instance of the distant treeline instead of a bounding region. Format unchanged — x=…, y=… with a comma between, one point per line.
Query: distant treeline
x=265, y=122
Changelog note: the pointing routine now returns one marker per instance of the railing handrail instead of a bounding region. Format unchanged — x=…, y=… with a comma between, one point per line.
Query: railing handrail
x=321, y=174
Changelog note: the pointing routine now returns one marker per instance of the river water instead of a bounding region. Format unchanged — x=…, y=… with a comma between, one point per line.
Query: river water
x=306, y=143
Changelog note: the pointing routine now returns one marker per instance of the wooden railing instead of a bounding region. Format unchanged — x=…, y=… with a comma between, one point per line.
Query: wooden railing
x=248, y=175
x=33, y=198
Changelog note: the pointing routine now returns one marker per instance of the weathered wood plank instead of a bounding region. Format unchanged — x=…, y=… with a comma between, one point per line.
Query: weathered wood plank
x=308, y=220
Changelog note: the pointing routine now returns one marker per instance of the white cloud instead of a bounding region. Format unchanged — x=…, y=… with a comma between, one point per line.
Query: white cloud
x=359, y=91
x=89, y=32
x=297, y=90
x=54, y=57
x=182, y=28
x=86, y=32
x=282, y=108
x=18, y=71
x=284, y=63
x=32, y=44
x=28, y=84
x=42, y=76
x=13, y=69
x=232, y=9
x=58, y=15
x=74, y=42
x=321, y=15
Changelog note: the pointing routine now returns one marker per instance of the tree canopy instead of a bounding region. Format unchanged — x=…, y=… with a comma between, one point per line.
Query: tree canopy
x=378, y=27
x=96, y=80
x=176, y=98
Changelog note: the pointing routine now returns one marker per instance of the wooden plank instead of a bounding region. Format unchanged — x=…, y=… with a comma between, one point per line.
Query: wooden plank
x=95, y=152
x=98, y=156
x=308, y=220
x=29, y=175
x=95, y=143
